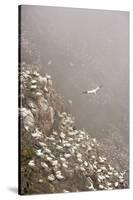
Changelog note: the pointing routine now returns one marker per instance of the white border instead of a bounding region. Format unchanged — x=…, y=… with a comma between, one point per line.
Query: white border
x=8, y=95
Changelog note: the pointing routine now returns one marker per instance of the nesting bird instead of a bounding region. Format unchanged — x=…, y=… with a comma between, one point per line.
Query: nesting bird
x=64, y=165
x=33, y=86
x=59, y=175
x=40, y=181
x=54, y=162
x=37, y=134
x=33, y=81
x=67, y=155
x=39, y=153
x=42, y=144
x=44, y=165
x=31, y=163
x=51, y=177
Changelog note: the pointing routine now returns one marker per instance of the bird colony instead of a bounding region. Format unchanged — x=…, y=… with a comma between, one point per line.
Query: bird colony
x=55, y=156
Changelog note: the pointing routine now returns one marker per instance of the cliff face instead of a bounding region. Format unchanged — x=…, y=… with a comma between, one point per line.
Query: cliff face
x=55, y=156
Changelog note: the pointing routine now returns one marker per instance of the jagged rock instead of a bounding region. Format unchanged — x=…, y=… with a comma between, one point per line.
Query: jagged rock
x=35, y=73
x=49, y=81
x=43, y=106
x=27, y=118
x=51, y=115
x=89, y=184
x=43, y=81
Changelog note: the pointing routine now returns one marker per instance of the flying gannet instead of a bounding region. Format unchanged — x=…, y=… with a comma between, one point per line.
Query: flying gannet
x=93, y=91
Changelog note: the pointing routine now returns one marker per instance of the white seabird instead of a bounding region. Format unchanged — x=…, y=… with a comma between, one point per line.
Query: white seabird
x=93, y=91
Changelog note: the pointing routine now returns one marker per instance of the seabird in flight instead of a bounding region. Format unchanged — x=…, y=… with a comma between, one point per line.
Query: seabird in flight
x=93, y=91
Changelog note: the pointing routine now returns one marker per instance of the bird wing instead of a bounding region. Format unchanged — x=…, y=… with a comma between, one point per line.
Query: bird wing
x=97, y=88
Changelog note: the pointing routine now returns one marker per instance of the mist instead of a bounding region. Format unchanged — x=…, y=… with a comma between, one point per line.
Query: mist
x=82, y=49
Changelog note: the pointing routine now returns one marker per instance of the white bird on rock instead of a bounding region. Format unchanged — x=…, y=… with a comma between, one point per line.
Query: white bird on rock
x=93, y=91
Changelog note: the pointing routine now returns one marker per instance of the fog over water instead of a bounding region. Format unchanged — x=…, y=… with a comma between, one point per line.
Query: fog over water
x=82, y=49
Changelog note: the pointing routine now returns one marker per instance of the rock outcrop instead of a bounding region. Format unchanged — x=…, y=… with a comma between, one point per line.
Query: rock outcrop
x=55, y=156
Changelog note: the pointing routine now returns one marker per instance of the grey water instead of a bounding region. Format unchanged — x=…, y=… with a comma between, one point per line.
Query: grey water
x=81, y=49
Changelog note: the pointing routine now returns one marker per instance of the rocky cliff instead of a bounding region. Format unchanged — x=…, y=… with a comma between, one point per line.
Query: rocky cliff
x=55, y=156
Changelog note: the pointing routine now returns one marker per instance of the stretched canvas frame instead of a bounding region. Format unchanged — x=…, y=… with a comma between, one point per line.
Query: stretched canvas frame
x=73, y=100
